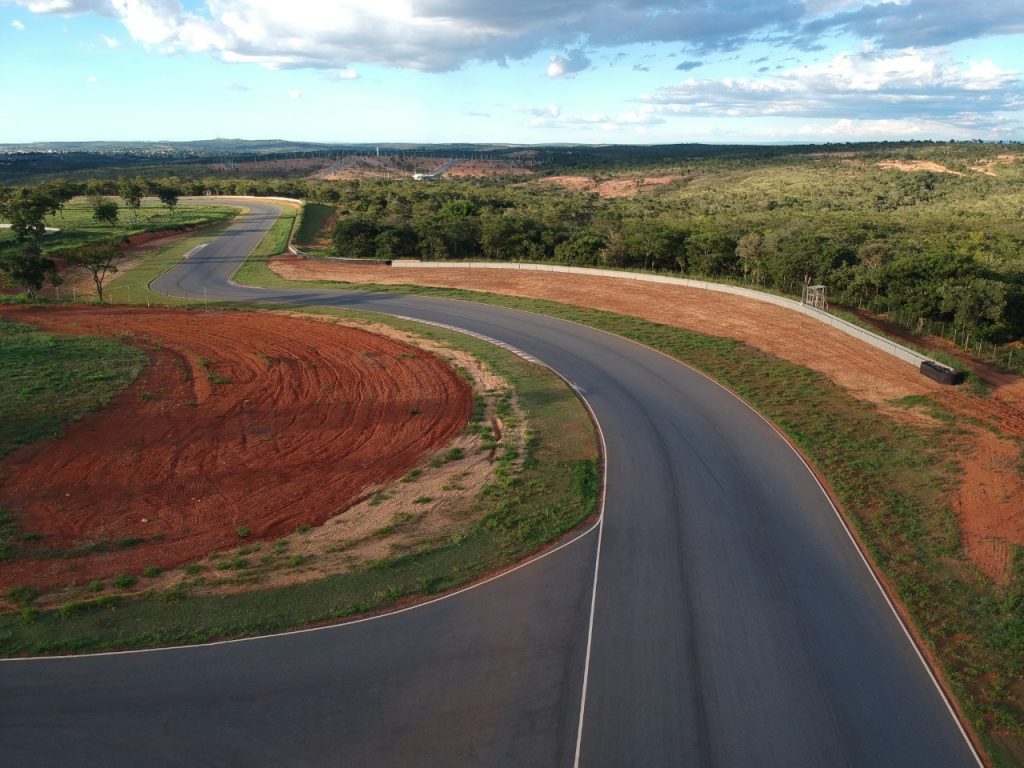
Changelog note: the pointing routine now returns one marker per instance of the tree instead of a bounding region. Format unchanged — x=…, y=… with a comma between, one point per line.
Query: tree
x=355, y=237
x=99, y=259
x=169, y=197
x=27, y=267
x=104, y=211
x=26, y=210
x=131, y=191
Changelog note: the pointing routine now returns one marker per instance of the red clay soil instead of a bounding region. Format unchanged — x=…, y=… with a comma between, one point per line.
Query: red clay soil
x=241, y=420
x=987, y=502
x=867, y=372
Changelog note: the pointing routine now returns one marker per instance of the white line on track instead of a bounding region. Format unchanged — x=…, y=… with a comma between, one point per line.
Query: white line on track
x=598, y=525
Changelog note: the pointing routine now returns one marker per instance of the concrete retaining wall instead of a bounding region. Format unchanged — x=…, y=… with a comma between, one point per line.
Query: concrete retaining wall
x=868, y=337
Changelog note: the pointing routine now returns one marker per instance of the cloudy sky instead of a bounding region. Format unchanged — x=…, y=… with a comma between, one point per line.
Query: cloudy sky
x=525, y=71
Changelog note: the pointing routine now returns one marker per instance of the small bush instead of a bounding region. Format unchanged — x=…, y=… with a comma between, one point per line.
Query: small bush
x=96, y=585
x=454, y=454
x=124, y=581
x=21, y=595
x=243, y=532
x=411, y=475
x=151, y=571
x=192, y=568
x=302, y=527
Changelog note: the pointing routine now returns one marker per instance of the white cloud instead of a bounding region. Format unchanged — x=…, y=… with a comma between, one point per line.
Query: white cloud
x=110, y=42
x=233, y=86
x=552, y=116
x=347, y=74
x=443, y=35
x=427, y=35
x=91, y=80
x=294, y=95
x=569, y=64
x=870, y=86
x=18, y=25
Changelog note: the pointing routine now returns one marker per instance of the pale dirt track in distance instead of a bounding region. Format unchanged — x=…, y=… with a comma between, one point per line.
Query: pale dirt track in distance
x=986, y=502
x=251, y=420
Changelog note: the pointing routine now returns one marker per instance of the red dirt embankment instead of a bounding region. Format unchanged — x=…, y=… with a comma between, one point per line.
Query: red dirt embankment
x=987, y=502
x=241, y=420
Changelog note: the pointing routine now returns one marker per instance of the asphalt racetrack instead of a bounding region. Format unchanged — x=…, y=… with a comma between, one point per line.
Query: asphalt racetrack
x=732, y=621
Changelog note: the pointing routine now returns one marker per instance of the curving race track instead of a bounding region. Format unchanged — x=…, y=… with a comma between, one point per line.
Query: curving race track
x=720, y=615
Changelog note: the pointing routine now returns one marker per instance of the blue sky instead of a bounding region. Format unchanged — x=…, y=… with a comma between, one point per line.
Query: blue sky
x=530, y=71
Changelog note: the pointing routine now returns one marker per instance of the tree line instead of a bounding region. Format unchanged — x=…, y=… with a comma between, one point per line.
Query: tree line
x=859, y=254
x=933, y=246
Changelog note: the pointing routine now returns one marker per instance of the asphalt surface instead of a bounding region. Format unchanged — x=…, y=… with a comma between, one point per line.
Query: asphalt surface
x=735, y=623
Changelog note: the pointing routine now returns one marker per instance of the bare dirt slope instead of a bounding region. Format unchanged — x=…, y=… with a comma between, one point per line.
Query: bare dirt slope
x=988, y=500
x=247, y=420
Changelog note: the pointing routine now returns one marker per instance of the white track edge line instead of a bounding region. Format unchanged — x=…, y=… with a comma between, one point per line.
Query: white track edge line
x=899, y=618
x=863, y=558
x=600, y=520
x=340, y=625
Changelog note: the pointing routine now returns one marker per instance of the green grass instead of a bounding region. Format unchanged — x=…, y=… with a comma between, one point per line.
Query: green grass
x=313, y=219
x=273, y=243
x=892, y=482
x=77, y=227
x=517, y=513
x=132, y=286
x=47, y=380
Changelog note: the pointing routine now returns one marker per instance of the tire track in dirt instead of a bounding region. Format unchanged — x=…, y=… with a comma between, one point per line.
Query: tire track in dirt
x=241, y=419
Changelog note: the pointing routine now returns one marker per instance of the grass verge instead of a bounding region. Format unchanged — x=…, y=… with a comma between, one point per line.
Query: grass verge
x=48, y=379
x=132, y=285
x=892, y=482
x=273, y=243
x=77, y=226
x=313, y=218
x=518, y=512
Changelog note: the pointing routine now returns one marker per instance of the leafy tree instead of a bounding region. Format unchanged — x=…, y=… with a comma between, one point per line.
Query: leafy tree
x=104, y=211
x=26, y=209
x=169, y=197
x=131, y=191
x=355, y=237
x=99, y=259
x=28, y=268
x=584, y=249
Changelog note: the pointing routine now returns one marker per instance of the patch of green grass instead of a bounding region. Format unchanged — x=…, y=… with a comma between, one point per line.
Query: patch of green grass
x=314, y=217
x=123, y=581
x=411, y=475
x=273, y=243
x=77, y=226
x=133, y=284
x=454, y=454
x=47, y=380
x=243, y=532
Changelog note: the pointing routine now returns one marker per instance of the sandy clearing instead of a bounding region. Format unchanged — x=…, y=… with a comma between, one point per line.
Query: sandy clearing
x=611, y=188
x=915, y=165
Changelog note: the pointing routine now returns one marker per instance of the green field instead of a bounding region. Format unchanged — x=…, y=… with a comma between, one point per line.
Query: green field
x=49, y=379
x=314, y=219
x=78, y=228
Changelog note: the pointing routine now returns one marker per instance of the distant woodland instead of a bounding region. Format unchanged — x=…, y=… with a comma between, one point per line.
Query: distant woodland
x=929, y=231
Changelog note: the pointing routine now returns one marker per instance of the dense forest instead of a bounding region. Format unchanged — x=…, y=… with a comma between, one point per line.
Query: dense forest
x=929, y=231
x=924, y=243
